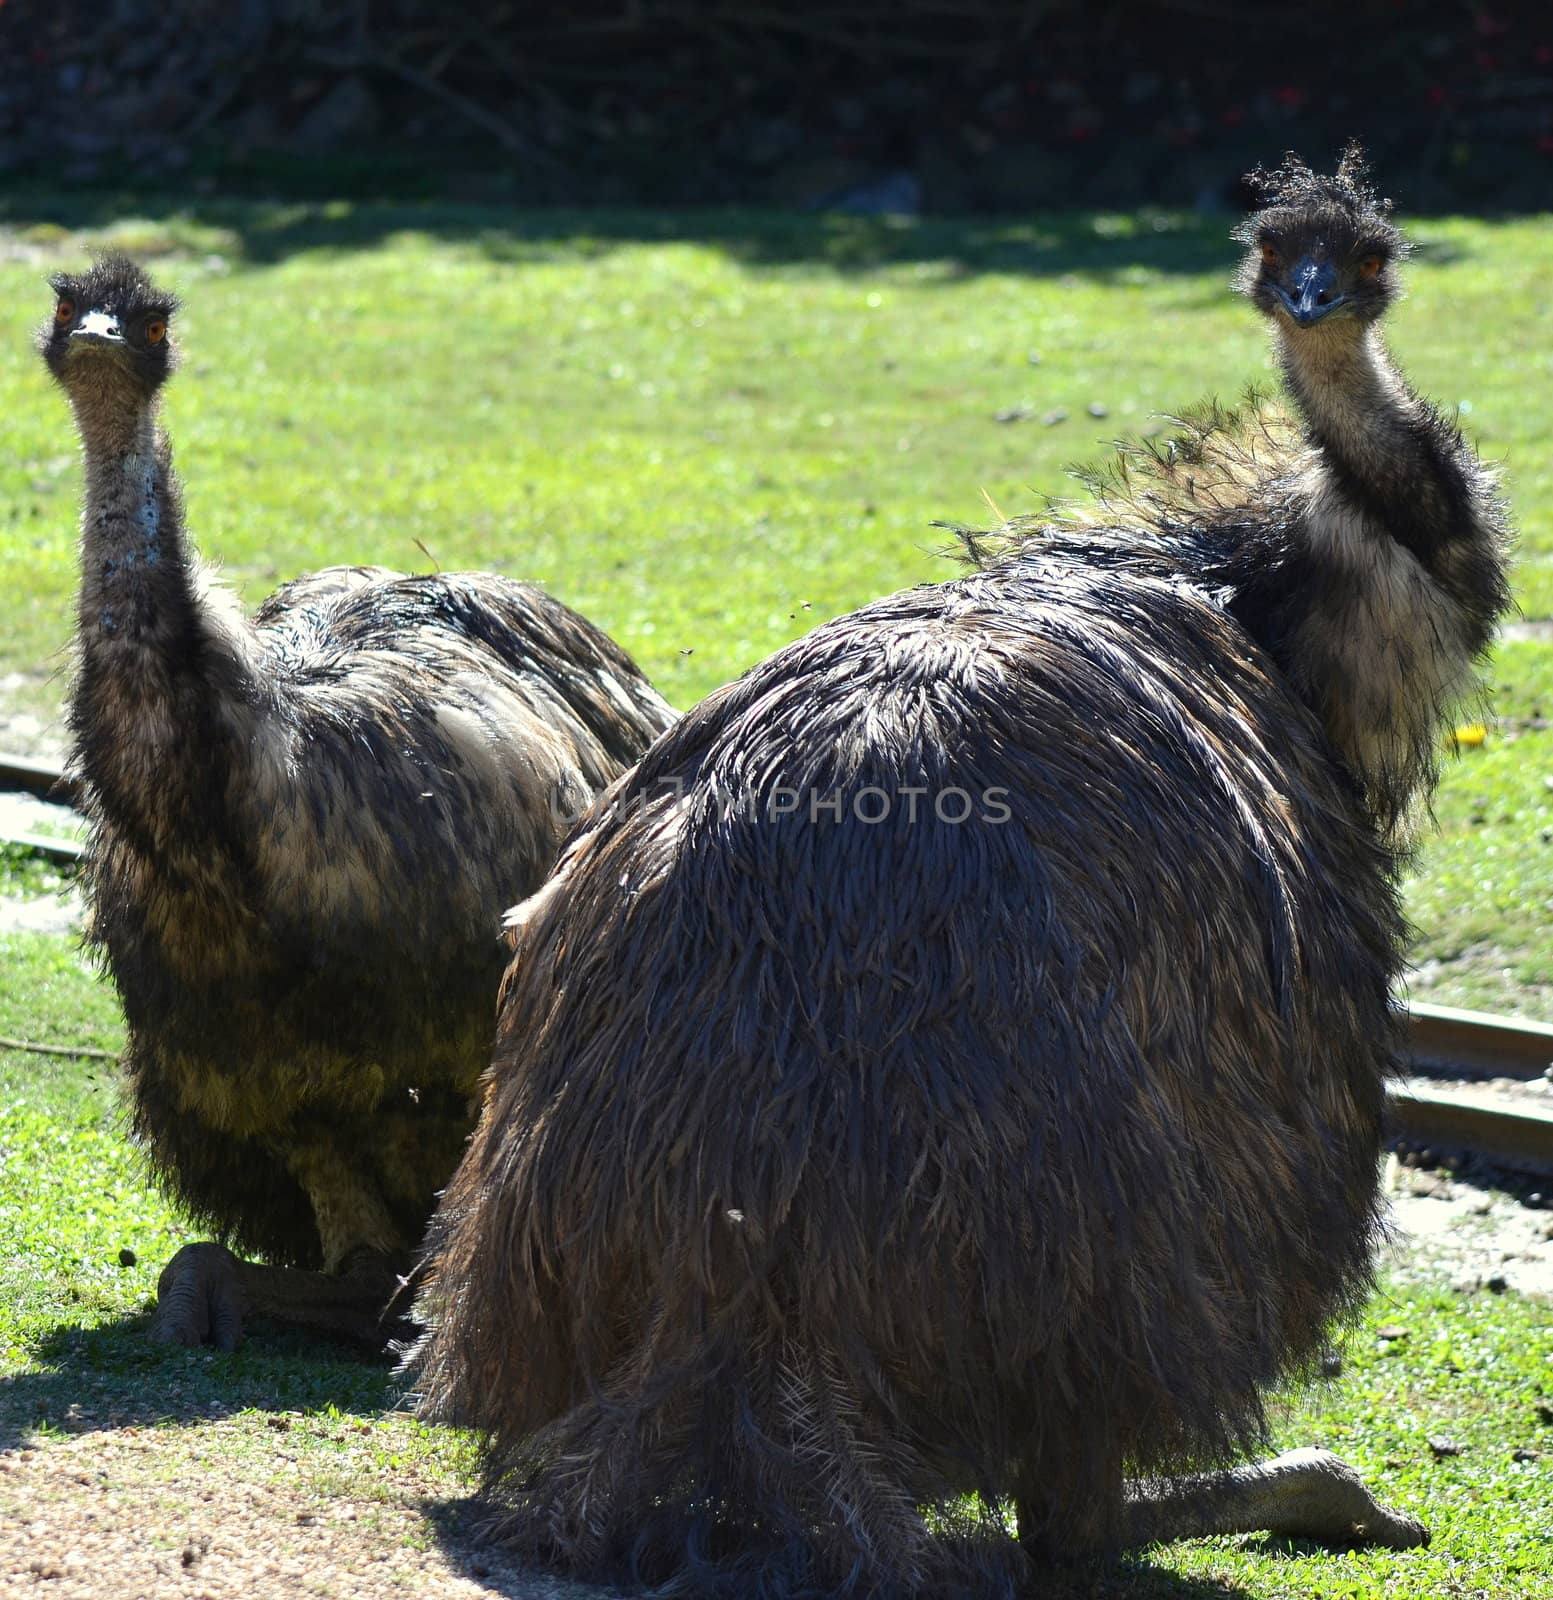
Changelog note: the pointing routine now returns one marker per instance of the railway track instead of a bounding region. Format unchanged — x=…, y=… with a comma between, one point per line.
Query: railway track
x=1469, y=1087
x=43, y=781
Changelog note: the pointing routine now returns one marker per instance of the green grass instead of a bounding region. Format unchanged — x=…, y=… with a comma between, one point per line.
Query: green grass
x=710, y=433
x=73, y=1358
x=73, y=1200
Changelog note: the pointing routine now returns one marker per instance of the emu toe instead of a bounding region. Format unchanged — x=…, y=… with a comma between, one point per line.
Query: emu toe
x=199, y=1299
x=1302, y=1494
x=1322, y=1497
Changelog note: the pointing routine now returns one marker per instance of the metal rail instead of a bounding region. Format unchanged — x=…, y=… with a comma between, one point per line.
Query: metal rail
x=66, y=851
x=1474, y=1117
x=21, y=774
x=1461, y=1044
x=1478, y=1114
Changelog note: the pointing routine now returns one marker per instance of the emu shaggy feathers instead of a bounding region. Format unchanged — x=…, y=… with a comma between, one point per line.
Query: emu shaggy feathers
x=304, y=827
x=307, y=947
x=897, y=1104
x=952, y=1063
x=1233, y=500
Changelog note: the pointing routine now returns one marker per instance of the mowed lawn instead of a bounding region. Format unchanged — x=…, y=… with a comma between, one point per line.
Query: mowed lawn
x=710, y=433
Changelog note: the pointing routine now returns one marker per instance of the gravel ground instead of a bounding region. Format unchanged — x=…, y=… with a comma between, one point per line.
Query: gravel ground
x=24, y=732
x=112, y=1513
x=147, y=1514
x=1448, y=1227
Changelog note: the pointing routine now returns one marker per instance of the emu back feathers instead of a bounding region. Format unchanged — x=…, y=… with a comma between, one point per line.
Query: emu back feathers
x=307, y=945
x=834, y=1167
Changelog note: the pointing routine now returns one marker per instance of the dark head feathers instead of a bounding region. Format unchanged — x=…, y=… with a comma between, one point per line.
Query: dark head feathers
x=114, y=283
x=110, y=322
x=1339, y=210
x=1295, y=183
x=1295, y=191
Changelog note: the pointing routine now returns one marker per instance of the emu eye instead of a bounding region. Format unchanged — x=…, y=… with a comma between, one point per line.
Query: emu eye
x=1270, y=258
x=156, y=330
x=64, y=311
x=1370, y=267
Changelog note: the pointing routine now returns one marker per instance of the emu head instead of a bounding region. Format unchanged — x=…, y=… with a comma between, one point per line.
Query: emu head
x=108, y=339
x=1322, y=250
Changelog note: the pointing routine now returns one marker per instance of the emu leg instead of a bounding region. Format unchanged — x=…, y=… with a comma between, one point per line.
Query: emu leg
x=1302, y=1494
x=1055, y=1523
x=205, y=1293
x=348, y=1210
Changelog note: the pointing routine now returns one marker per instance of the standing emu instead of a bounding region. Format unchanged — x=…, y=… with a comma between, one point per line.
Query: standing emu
x=303, y=829
x=954, y=1060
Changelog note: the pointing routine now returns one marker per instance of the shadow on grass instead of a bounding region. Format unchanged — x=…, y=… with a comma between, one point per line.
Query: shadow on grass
x=460, y=1528
x=113, y=1376
x=264, y=232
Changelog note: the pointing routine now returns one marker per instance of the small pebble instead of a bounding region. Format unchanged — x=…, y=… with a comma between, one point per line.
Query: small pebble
x=1391, y=1331
x=1536, y=1200
x=1443, y=1447
x=1098, y=408
x=127, y=1257
x=305, y=1519
x=1525, y=1455
x=1052, y=418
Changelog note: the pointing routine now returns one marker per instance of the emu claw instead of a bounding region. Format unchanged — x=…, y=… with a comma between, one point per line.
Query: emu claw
x=199, y=1299
x=1344, y=1511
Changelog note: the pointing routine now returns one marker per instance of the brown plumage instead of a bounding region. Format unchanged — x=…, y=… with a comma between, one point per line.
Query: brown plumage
x=954, y=1059
x=304, y=827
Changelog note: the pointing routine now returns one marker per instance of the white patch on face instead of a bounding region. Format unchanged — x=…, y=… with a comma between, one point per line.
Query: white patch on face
x=101, y=324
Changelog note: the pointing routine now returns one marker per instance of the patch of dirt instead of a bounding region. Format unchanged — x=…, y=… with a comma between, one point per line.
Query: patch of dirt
x=1474, y=1238
x=163, y=1513
x=140, y=1515
x=30, y=732
x=43, y=913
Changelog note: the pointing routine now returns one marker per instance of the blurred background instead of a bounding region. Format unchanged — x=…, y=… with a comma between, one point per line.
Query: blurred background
x=937, y=106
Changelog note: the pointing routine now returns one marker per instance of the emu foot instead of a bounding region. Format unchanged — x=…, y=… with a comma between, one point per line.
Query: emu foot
x=205, y=1294
x=1302, y=1494
x=199, y=1299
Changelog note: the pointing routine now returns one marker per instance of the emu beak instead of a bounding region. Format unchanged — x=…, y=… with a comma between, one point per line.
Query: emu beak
x=97, y=328
x=1312, y=296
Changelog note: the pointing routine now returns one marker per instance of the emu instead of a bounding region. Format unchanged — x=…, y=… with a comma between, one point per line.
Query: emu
x=303, y=829
x=948, y=1073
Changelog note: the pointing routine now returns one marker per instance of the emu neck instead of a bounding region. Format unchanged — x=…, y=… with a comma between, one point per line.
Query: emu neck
x=1403, y=563
x=158, y=672
x=134, y=562
x=1379, y=444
